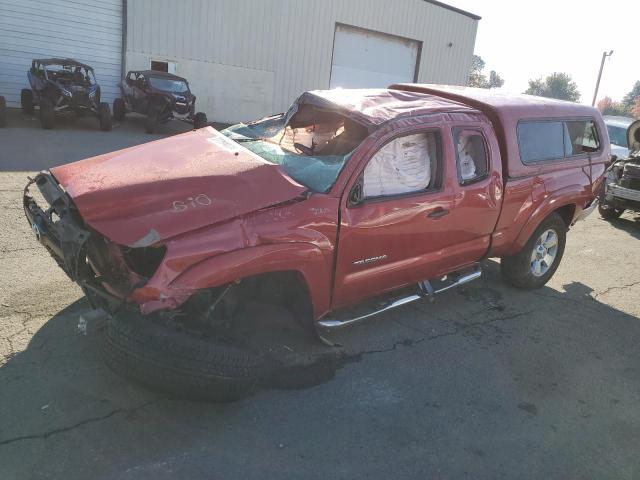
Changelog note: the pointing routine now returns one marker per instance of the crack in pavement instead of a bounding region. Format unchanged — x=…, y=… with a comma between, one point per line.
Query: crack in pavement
x=617, y=287
x=56, y=431
x=410, y=342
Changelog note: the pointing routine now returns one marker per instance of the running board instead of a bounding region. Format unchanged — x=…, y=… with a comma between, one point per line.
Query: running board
x=425, y=290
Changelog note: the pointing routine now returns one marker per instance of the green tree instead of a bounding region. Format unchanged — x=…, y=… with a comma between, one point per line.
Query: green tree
x=557, y=85
x=479, y=79
x=629, y=99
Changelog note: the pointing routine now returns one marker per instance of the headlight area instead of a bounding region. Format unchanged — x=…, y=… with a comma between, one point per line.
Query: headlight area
x=105, y=271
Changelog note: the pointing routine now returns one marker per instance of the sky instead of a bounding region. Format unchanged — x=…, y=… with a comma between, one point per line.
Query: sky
x=522, y=40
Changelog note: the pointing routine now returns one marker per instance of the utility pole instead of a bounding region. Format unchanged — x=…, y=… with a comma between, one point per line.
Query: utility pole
x=604, y=57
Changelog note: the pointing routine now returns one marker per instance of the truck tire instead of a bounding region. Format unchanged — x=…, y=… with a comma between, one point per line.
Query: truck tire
x=119, y=109
x=104, y=116
x=3, y=112
x=26, y=101
x=539, y=259
x=200, y=120
x=609, y=213
x=153, y=115
x=47, y=114
x=179, y=363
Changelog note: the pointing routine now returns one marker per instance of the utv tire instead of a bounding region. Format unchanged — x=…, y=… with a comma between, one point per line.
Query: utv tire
x=3, y=112
x=47, y=114
x=104, y=115
x=179, y=363
x=119, y=109
x=153, y=116
x=609, y=213
x=200, y=120
x=531, y=267
x=26, y=101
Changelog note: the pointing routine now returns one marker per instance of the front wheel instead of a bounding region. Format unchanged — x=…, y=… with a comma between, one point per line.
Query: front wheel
x=609, y=213
x=104, y=115
x=539, y=259
x=47, y=114
x=200, y=120
x=119, y=109
x=26, y=101
x=153, y=117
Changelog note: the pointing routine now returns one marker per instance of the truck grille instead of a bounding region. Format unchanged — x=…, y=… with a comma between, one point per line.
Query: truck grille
x=80, y=97
x=182, y=108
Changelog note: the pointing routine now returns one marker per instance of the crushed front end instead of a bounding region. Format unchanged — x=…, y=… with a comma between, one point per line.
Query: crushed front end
x=106, y=272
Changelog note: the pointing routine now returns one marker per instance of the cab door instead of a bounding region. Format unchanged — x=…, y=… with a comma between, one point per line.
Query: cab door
x=396, y=224
x=477, y=188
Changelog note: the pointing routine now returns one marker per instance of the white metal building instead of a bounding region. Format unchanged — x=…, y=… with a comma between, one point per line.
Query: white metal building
x=90, y=31
x=243, y=58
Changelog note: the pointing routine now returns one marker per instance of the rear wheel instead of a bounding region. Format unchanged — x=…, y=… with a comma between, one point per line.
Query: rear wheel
x=104, y=115
x=609, y=213
x=180, y=363
x=3, y=112
x=26, y=101
x=47, y=114
x=119, y=109
x=153, y=116
x=539, y=259
x=200, y=120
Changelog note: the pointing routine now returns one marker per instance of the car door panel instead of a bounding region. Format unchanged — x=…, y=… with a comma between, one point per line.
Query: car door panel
x=394, y=242
x=387, y=243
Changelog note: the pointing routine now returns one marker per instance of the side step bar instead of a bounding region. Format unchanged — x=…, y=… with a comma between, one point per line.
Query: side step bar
x=425, y=290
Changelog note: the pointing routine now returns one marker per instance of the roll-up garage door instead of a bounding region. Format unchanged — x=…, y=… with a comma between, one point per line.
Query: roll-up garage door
x=367, y=59
x=89, y=31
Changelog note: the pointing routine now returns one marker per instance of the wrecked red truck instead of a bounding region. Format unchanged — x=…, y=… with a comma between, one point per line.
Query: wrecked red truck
x=388, y=194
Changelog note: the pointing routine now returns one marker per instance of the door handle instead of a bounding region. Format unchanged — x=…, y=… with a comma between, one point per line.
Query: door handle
x=438, y=213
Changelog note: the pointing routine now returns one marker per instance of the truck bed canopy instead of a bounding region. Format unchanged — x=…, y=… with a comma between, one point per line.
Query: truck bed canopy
x=504, y=110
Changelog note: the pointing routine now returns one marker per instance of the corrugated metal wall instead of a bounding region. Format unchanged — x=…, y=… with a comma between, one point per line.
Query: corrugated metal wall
x=246, y=58
x=88, y=30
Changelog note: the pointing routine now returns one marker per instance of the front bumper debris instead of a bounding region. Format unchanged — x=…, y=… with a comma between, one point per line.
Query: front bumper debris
x=617, y=191
x=55, y=227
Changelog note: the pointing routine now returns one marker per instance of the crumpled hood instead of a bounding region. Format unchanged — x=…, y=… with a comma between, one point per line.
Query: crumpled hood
x=151, y=192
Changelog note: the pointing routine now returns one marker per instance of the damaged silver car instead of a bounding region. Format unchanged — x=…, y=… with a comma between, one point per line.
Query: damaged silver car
x=622, y=185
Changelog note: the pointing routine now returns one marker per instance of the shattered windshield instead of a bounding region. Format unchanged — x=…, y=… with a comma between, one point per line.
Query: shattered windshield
x=312, y=148
x=168, y=85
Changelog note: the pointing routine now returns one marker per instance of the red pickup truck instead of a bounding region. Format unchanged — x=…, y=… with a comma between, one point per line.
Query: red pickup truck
x=394, y=194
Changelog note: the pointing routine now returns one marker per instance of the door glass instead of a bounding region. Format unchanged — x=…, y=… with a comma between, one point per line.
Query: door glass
x=471, y=155
x=404, y=165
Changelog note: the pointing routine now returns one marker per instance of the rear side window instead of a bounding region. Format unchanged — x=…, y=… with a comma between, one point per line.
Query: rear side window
x=540, y=141
x=581, y=137
x=556, y=140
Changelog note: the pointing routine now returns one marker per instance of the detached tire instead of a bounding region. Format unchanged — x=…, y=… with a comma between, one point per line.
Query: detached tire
x=104, y=116
x=119, y=109
x=200, y=120
x=26, y=101
x=3, y=112
x=539, y=259
x=609, y=213
x=179, y=363
x=47, y=114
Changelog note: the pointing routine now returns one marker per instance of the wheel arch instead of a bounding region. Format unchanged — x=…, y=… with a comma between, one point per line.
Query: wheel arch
x=303, y=264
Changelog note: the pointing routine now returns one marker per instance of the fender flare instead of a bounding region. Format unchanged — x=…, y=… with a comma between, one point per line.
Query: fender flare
x=304, y=258
x=568, y=196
